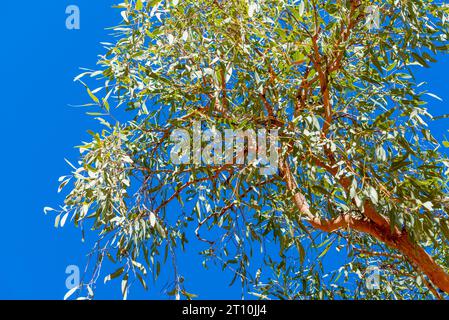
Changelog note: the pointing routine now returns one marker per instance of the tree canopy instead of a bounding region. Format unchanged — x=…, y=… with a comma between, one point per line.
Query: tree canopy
x=358, y=171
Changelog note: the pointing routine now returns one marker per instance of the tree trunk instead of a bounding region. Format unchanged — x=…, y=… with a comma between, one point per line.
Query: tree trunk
x=380, y=230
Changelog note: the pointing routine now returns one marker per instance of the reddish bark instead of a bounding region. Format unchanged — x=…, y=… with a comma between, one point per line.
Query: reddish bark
x=376, y=226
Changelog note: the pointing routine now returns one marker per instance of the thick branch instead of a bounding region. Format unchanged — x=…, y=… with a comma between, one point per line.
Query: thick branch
x=398, y=240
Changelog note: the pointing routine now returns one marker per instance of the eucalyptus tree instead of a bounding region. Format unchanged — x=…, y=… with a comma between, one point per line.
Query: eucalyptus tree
x=359, y=176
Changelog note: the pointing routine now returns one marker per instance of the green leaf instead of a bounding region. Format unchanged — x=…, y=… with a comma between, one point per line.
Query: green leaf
x=47, y=209
x=70, y=293
x=92, y=96
x=114, y=275
x=444, y=228
x=188, y=295
x=434, y=96
x=373, y=195
x=139, y=5
x=420, y=59
x=142, y=281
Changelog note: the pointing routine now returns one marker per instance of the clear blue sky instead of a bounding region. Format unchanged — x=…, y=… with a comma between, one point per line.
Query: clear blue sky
x=39, y=59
